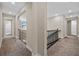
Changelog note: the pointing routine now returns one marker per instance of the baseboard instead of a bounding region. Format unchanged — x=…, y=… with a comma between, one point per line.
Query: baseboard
x=28, y=48
x=33, y=54
x=36, y=54
x=1, y=43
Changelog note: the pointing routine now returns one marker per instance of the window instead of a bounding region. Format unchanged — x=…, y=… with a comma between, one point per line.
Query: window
x=23, y=24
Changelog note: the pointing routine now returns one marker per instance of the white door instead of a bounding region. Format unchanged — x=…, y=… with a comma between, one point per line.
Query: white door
x=7, y=28
x=73, y=27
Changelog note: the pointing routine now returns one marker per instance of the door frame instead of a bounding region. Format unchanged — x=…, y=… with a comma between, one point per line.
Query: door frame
x=70, y=19
x=4, y=17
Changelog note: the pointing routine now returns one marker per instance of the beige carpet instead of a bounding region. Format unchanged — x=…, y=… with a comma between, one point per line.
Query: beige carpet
x=13, y=47
x=65, y=47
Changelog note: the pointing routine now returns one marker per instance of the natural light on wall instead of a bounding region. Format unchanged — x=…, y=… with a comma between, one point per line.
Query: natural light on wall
x=8, y=29
x=73, y=27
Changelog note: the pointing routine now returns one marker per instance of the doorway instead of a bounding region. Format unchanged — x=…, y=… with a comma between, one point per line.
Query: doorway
x=72, y=26
x=8, y=26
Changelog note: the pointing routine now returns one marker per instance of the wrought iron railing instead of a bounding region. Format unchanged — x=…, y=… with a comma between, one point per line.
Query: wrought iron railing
x=52, y=38
x=22, y=35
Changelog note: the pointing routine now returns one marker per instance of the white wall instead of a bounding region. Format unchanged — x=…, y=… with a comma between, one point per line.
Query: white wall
x=0, y=27
x=36, y=30
x=57, y=22
x=16, y=27
x=78, y=26
x=31, y=31
x=41, y=9
x=54, y=23
x=31, y=36
x=36, y=14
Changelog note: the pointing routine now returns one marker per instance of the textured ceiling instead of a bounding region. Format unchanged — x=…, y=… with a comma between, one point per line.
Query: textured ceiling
x=53, y=8
x=8, y=7
x=59, y=8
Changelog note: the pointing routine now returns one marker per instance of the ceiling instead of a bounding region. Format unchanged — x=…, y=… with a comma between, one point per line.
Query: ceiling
x=53, y=8
x=59, y=8
x=9, y=8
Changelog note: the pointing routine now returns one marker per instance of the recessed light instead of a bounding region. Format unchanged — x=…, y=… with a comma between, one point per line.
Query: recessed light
x=69, y=11
x=13, y=3
x=71, y=16
x=10, y=12
x=56, y=14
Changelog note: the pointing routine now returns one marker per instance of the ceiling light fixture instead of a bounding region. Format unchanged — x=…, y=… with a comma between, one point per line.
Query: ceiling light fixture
x=71, y=16
x=70, y=11
x=56, y=14
x=10, y=12
x=13, y=3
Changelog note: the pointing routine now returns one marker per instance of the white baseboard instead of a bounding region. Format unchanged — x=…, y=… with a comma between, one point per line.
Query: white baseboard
x=33, y=54
x=28, y=47
x=36, y=54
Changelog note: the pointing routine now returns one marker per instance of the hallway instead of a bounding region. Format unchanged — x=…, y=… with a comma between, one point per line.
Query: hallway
x=23, y=20
x=65, y=47
x=14, y=47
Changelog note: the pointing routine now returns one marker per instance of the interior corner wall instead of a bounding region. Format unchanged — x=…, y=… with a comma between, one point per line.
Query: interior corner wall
x=41, y=9
x=15, y=27
x=36, y=29
x=31, y=35
x=31, y=29
x=0, y=27
x=57, y=22
x=78, y=27
x=65, y=27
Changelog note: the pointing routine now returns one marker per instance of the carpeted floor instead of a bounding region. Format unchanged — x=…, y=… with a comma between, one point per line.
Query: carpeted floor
x=14, y=47
x=65, y=47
